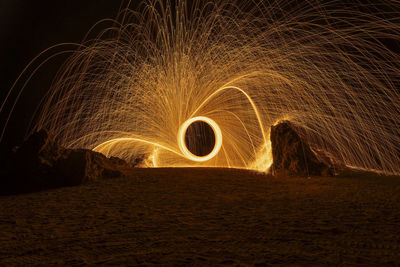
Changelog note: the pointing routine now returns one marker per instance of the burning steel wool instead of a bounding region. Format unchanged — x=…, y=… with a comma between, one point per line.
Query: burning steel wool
x=201, y=84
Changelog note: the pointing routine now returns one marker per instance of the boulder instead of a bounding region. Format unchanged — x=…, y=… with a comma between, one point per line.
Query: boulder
x=292, y=155
x=40, y=163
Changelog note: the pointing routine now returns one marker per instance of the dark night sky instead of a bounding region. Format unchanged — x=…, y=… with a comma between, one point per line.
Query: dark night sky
x=28, y=27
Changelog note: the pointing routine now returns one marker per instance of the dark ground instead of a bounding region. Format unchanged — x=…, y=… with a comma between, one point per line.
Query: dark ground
x=206, y=217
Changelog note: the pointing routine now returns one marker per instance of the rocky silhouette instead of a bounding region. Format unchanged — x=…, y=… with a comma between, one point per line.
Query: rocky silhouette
x=292, y=155
x=40, y=163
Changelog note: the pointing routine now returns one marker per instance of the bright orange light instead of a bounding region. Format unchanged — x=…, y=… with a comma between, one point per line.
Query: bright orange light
x=182, y=144
x=133, y=91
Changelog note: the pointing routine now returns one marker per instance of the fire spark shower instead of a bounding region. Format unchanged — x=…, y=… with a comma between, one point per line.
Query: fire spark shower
x=237, y=67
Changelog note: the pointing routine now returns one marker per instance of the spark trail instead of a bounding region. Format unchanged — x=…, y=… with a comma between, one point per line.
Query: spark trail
x=240, y=67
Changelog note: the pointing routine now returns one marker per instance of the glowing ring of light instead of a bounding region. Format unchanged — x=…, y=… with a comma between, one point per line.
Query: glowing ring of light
x=182, y=143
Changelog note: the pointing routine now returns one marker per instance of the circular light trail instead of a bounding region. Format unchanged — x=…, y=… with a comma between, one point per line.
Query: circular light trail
x=182, y=143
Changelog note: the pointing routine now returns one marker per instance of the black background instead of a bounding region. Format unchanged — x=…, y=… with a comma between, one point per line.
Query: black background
x=28, y=27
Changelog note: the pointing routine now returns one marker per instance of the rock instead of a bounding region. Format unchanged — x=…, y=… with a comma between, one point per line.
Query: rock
x=40, y=163
x=292, y=155
x=140, y=161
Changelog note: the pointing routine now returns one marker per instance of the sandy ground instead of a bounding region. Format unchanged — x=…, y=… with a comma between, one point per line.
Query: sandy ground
x=205, y=217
